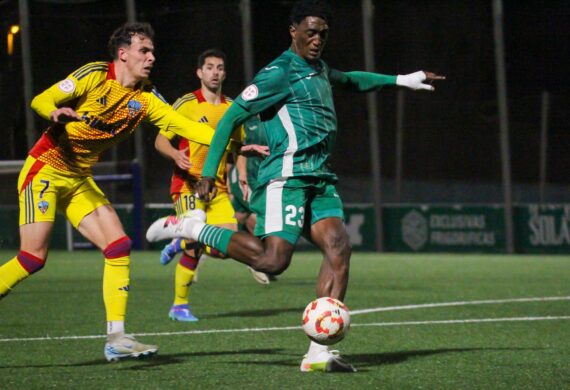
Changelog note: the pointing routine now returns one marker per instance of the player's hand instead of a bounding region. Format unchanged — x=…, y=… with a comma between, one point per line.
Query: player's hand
x=64, y=115
x=254, y=150
x=206, y=188
x=181, y=159
x=416, y=80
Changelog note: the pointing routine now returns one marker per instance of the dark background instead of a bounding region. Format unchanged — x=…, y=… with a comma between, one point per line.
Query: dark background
x=451, y=136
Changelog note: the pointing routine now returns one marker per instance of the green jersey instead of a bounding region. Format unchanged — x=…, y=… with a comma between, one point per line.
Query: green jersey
x=295, y=104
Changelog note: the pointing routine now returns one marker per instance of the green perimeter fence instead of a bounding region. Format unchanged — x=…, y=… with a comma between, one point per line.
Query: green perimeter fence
x=538, y=228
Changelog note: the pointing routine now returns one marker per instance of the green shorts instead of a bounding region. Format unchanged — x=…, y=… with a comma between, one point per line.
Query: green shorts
x=285, y=207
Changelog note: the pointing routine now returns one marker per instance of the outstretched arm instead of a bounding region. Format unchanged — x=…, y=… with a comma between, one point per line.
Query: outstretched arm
x=368, y=81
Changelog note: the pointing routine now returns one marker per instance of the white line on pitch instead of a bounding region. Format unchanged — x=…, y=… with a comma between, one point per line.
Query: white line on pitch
x=459, y=303
x=282, y=328
x=466, y=321
x=352, y=312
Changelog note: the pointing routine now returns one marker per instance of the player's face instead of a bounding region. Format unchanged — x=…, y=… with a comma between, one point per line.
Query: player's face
x=212, y=74
x=309, y=38
x=138, y=57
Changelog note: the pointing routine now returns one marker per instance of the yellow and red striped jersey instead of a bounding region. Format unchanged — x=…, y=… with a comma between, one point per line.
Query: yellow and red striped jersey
x=195, y=107
x=109, y=111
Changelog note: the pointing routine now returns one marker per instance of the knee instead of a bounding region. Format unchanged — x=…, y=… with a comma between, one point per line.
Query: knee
x=338, y=244
x=32, y=263
x=274, y=264
x=118, y=252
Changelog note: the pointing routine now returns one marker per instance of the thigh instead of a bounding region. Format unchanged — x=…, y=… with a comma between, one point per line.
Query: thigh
x=102, y=226
x=280, y=208
x=330, y=236
x=82, y=200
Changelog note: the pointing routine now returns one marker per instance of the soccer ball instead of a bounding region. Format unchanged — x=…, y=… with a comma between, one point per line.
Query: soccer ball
x=326, y=320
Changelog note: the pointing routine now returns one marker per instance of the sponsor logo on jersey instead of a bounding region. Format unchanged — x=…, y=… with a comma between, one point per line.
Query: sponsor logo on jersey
x=250, y=92
x=43, y=206
x=67, y=85
x=102, y=101
x=203, y=119
x=134, y=106
x=98, y=123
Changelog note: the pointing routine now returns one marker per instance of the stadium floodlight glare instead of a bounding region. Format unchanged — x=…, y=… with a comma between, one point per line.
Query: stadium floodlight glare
x=13, y=30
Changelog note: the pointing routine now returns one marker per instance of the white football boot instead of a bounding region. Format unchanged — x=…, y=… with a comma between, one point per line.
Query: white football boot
x=173, y=227
x=325, y=361
x=120, y=346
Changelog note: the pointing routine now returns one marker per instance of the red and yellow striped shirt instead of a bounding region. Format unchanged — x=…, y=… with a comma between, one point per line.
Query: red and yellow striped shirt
x=110, y=113
x=195, y=107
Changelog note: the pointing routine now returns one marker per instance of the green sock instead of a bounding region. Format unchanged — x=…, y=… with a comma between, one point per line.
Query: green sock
x=216, y=237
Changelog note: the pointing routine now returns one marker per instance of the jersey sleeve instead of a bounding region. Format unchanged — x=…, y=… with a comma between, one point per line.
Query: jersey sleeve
x=166, y=119
x=74, y=86
x=168, y=134
x=360, y=81
x=269, y=87
x=182, y=107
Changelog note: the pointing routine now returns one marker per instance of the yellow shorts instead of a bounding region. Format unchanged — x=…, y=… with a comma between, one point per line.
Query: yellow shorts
x=43, y=190
x=218, y=211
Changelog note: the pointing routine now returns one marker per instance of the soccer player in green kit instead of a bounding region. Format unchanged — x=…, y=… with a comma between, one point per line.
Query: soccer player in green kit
x=293, y=98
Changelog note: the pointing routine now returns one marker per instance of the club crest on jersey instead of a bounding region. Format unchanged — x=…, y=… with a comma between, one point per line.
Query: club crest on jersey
x=43, y=206
x=250, y=92
x=134, y=106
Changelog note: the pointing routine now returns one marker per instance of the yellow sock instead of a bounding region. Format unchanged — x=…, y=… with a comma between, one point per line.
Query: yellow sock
x=182, y=282
x=116, y=287
x=11, y=274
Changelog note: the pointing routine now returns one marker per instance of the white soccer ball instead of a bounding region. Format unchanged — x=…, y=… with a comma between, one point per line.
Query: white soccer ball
x=326, y=320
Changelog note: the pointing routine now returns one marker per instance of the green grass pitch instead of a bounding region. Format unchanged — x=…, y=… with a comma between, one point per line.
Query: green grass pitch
x=418, y=322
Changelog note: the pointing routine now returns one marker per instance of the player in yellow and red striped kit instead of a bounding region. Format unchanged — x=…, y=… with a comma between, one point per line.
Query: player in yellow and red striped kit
x=207, y=105
x=94, y=108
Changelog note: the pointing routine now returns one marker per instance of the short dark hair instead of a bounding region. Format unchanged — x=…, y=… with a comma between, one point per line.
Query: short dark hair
x=210, y=53
x=122, y=36
x=304, y=8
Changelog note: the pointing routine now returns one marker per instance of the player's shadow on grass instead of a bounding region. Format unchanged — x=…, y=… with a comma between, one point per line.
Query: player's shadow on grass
x=149, y=363
x=362, y=362
x=256, y=313
x=397, y=357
